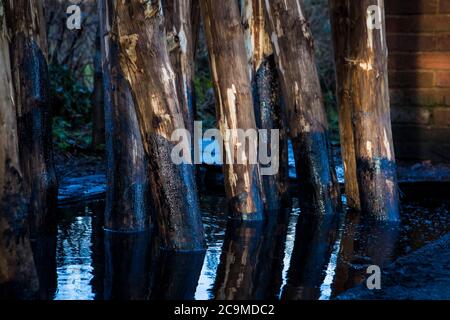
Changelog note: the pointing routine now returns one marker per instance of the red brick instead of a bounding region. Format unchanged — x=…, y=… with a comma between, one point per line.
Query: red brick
x=443, y=42
x=441, y=117
x=411, y=42
x=429, y=60
x=408, y=115
x=411, y=6
x=420, y=97
x=443, y=79
x=418, y=23
x=409, y=133
x=444, y=6
x=411, y=79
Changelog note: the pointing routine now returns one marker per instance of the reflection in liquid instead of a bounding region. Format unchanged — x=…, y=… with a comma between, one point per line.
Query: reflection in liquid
x=251, y=262
x=44, y=254
x=74, y=261
x=363, y=243
x=128, y=264
x=314, y=242
x=176, y=275
x=259, y=254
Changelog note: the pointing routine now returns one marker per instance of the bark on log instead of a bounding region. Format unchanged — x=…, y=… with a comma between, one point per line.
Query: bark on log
x=138, y=30
x=18, y=277
x=294, y=53
x=269, y=111
x=98, y=109
x=26, y=25
x=181, y=46
x=363, y=94
x=127, y=196
x=232, y=84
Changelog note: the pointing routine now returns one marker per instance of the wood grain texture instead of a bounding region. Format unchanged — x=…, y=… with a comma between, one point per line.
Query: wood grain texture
x=294, y=52
x=234, y=104
x=26, y=29
x=138, y=28
x=18, y=277
x=363, y=92
x=269, y=111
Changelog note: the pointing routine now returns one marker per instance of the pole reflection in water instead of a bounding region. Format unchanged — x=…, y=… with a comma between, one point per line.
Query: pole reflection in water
x=251, y=262
x=364, y=243
x=176, y=275
x=44, y=254
x=314, y=242
x=128, y=265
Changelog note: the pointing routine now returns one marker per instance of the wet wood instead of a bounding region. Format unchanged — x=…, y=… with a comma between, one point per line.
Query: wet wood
x=365, y=124
x=181, y=39
x=128, y=194
x=234, y=104
x=138, y=30
x=26, y=29
x=269, y=112
x=18, y=277
x=294, y=52
x=98, y=109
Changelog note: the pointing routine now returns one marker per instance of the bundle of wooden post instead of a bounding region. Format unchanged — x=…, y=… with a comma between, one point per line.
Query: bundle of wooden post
x=137, y=29
x=364, y=116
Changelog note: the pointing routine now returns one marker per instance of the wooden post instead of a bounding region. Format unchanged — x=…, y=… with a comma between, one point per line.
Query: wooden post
x=26, y=27
x=267, y=101
x=363, y=94
x=180, y=40
x=232, y=84
x=294, y=53
x=138, y=31
x=18, y=277
x=127, y=196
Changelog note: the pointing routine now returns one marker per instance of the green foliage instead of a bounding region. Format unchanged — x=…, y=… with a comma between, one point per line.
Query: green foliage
x=71, y=105
x=202, y=83
x=66, y=139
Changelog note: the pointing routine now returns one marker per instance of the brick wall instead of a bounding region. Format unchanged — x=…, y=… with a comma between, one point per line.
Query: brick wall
x=418, y=35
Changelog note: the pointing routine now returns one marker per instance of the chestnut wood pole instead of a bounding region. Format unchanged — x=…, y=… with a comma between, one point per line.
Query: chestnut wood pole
x=138, y=30
x=18, y=277
x=294, y=53
x=232, y=84
x=269, y=112
x=127, y=196
x=181, y=39
x=363, y=93
x=26, y=29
